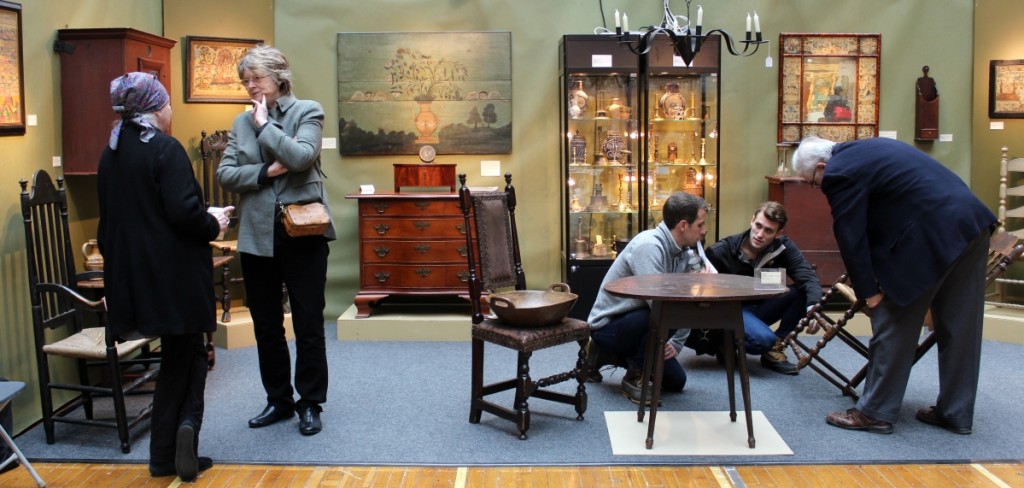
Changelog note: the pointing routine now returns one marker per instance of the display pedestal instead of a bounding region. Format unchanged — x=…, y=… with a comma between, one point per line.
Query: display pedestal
x=239, y=332
x=406, y=323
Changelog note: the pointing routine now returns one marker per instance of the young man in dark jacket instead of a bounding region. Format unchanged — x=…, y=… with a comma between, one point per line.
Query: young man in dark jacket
x=762, y=247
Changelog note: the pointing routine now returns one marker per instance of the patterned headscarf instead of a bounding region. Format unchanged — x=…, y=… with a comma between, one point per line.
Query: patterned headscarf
x=133, y=95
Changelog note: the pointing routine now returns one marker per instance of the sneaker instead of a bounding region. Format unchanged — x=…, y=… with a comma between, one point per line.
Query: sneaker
x=631, y=388
x=776, y=360
x=598, y=358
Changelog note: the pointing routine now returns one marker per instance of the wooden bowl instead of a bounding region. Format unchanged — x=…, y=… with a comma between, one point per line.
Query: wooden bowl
x=533, y=308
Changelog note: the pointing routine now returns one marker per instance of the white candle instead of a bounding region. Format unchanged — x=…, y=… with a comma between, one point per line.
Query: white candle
x=700, y=16
x=757, y=23
x=618, y=20
x=625, y=22
x=748, y=22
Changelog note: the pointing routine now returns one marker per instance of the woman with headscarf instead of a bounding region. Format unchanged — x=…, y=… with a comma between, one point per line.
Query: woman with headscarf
x=273, y=158
x=154, y=233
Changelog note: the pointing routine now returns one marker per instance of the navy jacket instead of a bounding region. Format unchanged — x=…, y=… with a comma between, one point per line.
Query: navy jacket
x=900, y=217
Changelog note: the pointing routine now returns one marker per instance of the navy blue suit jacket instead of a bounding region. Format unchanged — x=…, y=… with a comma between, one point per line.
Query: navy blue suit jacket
x=900, y=217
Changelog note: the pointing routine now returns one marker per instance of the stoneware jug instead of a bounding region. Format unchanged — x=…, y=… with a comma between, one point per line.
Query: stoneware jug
x=93, y=258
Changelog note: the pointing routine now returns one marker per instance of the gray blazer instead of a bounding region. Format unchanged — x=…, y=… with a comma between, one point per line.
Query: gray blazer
x=292, y=137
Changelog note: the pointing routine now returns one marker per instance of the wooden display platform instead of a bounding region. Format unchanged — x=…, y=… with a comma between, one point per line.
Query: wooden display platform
x=406, y=323
x=239, y=333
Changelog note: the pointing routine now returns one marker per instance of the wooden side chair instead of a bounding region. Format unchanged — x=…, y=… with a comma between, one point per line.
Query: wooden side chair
x=1004, y=249
x=493, y=256
x=58, y=324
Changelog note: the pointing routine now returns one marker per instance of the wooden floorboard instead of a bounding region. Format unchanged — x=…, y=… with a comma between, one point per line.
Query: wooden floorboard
x=874, y=475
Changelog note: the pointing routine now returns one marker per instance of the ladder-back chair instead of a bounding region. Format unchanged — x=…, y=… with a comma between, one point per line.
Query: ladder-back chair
x=493, y=256
x=212, y=147
x=1004, y=249
x=58, y=324
x=1011, y=211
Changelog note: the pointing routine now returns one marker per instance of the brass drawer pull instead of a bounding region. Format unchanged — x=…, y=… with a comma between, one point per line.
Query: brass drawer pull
x=461, y=250
x=382, y=228
x=423, y=206
x=463, y=276
x=423, y=272
x=423, y=248
x=422, y=225
x=381, y=251
x=382, y=276
x=381, y=207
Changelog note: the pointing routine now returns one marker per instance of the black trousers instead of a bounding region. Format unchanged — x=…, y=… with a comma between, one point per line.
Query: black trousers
x=300, y=264
x=178, y=396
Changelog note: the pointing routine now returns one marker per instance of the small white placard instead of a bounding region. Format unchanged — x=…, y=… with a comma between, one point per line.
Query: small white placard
x=890, y=134
x=770, y=279
x=490, y=168
x=328, y=143
x=366, y=189
x=994, y=125
x=601, y=61
x=945, y=137
x=32, y=120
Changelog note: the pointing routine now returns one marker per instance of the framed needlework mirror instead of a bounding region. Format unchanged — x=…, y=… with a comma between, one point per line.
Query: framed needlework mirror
x=828, y=86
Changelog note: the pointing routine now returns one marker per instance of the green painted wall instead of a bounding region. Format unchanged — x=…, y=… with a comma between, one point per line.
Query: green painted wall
x=939, y=36
x=306, y=30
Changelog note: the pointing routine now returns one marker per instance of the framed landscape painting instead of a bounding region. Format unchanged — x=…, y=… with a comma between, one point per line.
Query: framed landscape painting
x=401, y=92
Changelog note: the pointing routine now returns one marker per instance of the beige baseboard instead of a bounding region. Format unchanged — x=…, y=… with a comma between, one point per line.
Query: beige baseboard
x=238, y=332
x=1001, y=324
x=411, y=323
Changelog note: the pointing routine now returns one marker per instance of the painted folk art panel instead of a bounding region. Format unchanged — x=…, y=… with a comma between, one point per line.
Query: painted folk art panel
x=400, y=92
x=12, y=78
x=212, y=69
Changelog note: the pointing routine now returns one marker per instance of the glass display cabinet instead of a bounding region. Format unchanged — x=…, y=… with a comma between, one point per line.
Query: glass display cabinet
x=636, y=128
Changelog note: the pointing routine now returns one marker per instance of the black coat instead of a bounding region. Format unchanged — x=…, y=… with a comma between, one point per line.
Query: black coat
x=154, y=233
x=727, y=256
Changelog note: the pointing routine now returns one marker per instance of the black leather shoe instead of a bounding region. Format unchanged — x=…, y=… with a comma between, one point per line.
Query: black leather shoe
x=309, y=421
x=185, y=462
x=159, y=470
x=931, y=416
x=271, y=415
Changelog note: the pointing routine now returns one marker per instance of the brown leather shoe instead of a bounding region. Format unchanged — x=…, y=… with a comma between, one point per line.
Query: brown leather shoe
x=853, y=419
x=931, y=416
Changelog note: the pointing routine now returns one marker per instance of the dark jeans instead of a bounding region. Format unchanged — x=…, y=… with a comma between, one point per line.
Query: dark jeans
x=300, y=264
x=787, y=309
x=178, y=396
x=626, y=335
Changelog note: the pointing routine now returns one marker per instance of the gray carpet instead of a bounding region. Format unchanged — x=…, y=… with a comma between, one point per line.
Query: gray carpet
x=406, y=403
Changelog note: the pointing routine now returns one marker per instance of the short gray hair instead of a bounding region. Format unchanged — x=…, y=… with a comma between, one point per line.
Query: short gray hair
x=806, y=157
x=264, y=60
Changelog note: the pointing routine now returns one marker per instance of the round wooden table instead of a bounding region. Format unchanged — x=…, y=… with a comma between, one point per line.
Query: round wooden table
x=699, y=301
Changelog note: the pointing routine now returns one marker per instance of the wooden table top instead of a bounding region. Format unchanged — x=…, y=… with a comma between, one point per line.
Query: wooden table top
x=689, y=287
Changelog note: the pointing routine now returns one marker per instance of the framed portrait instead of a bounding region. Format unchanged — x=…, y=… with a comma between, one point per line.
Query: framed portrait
x=12, y=74
x=828, y=86
x=211, y=69
x=442, y=92
x=1006, y=89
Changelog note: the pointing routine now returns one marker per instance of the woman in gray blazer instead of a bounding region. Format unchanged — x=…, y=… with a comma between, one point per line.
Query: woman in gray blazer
x=273, y=158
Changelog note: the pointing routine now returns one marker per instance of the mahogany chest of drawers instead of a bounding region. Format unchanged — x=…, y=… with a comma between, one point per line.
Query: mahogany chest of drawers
x=410, y=244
